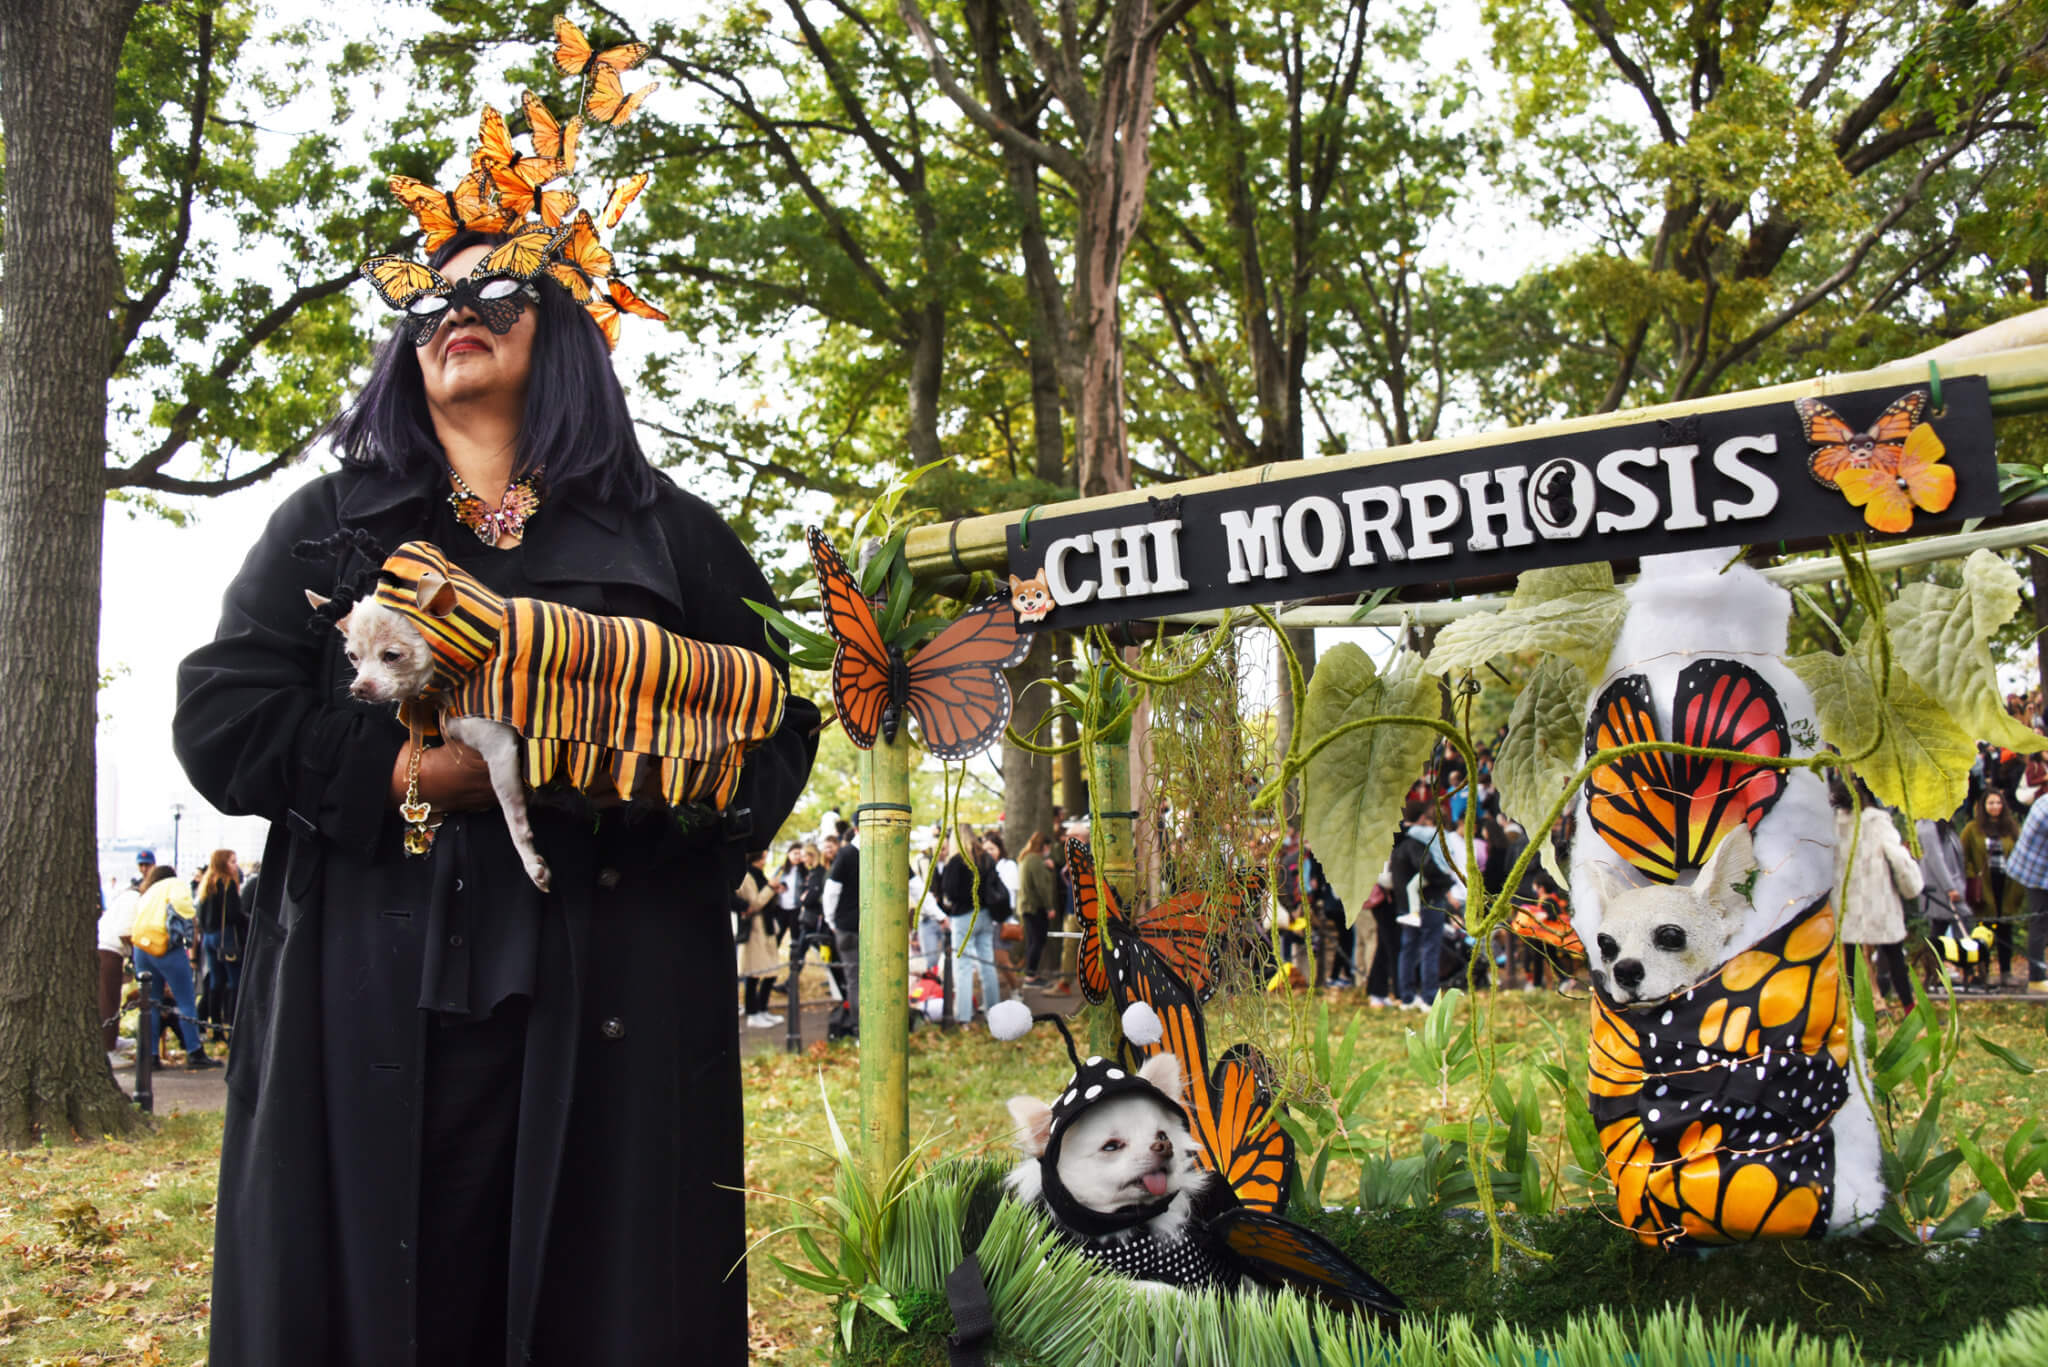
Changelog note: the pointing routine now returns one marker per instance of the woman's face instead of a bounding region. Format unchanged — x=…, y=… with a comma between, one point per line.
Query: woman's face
x=467, y=363
x=1994, y=805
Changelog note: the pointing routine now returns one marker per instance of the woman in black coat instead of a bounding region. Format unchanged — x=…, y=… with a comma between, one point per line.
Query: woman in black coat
x=469, y=1123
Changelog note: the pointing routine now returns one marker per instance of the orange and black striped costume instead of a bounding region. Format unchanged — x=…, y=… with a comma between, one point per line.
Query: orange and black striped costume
x=1714, y=1106
x=595, y=698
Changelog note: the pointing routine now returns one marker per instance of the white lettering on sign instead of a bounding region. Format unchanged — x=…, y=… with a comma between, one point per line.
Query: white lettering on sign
x=1506, y=506
x=1254, y=541
x=1763, y=490
x=1120, y=555
x=1685, y=502
x=1329, y=533
x=1063, y=592
x=1425, y=522
x=1561, y=498
x=1166, y=575
x=1642, y=500
x=1381, y=524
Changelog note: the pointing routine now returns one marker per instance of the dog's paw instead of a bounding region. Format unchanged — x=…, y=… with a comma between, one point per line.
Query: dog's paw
x=538, y=872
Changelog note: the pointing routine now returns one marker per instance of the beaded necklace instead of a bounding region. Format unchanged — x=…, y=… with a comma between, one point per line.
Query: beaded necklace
x=492, y=525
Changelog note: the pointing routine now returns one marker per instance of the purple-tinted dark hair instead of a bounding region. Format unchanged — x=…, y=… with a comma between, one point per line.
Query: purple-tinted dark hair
x=576, y=424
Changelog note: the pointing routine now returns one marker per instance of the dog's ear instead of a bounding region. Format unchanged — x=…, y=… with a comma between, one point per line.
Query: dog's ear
x=1608, y=881
x=434, y=595
x=317, y=603
x=1162, y=1070
x=1721, y=885
x=1034, y=1124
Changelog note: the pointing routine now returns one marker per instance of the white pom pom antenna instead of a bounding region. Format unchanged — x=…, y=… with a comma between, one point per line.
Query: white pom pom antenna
x=1009, y=1020
x=934, y=1009
x=1141, y=1025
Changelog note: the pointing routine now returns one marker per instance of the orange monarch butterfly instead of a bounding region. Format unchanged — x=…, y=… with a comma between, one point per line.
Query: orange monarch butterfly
x=443, y=213
x=954, y=687
x=1837, y=446
x=492, y=289
x=608, y=101
x=622, y=195
x=1281, y=1253
x=1180, y=931
x=1713, y=1107
x=551, y=138
x=574, y=55
x=1664, y=813
x=1547, y=921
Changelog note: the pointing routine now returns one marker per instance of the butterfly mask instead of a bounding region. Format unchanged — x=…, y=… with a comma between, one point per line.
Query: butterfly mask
x=497, y=291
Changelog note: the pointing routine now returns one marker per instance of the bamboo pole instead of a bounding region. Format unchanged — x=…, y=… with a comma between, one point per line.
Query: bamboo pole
x=1789, y=575
x=884, y=820
x=1112, y=838
x=2018, y=380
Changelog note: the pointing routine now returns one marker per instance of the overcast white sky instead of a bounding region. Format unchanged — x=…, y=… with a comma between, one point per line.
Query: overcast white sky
x=163, y=584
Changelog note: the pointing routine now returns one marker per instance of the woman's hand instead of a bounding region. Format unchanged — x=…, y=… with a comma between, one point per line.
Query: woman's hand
x=453, y=778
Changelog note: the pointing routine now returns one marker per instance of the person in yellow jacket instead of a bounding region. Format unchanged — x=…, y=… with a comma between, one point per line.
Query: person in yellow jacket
x=161, y=934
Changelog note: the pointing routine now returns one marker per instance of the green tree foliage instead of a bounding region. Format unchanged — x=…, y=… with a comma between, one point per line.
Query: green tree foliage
x=240, y=220
x=1761, y=191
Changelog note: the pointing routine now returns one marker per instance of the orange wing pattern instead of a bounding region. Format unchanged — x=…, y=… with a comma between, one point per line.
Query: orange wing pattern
x=1837, y=446
x=608, y=101
x=1888, y=491
x=1281, y=1253
x=551, y=138
x=1665, y=813
x=863, y=666
x=574, y=55
x=1180, y=931
x=955, y=685
x=1230, y=1110
x=1547, y=921
x=443, y=213
x=1712, y=1107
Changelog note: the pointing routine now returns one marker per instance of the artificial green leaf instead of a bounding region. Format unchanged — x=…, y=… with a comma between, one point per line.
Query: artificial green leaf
x=1573, y=611
x=1963, y=1219
x=1545, y=741
x=1353, y=789
x=1942, y=637
x=1922, y=761
x=2006, y=1056
x=1988, y=1173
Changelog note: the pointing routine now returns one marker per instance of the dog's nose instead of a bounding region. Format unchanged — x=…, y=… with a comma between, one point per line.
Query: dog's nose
x=1629, y=973
x=1162, y=1146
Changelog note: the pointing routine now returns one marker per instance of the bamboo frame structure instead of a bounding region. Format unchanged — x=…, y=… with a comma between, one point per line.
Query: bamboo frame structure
x=883, y=817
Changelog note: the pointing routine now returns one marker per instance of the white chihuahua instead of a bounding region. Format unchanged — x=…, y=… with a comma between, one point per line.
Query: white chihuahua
x=1656, y=940
x=393, y=664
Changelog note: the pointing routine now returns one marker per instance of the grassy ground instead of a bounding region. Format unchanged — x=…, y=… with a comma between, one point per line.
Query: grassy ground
x=105, y=1250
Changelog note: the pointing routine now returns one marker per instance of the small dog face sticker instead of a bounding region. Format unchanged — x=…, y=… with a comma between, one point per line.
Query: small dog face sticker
x=1031, y=598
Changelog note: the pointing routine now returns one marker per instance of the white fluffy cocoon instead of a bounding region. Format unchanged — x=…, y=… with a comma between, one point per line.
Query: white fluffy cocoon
x=1685, y=607
x=1141, y=1025
x=1009, y=1020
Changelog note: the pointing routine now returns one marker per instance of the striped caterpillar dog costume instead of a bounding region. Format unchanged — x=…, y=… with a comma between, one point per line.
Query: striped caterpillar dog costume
x=591, y=698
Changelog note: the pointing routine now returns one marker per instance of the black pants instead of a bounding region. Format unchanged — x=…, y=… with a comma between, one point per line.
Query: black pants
x=1035, y=926
x=756, y=991
x=1379, y=981
x=469, y=1128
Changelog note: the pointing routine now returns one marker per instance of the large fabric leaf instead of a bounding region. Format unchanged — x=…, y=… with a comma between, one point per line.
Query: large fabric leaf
x=1922, y=763
x=1546, y=734
x=1573, y=612
x=1353, y=790
x=1942, y=637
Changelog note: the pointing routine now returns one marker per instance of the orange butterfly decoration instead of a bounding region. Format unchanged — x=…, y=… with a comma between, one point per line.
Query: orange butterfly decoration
x=1918, y=479
x=954, y=687
x=519, y=177
x=1887, y=471
x=574, y=55
x=608, y=101
x=551, y=138
x=1180, y=932
x=1664, y=813
x=443, y=213
x=607, y=312
x=623, y=194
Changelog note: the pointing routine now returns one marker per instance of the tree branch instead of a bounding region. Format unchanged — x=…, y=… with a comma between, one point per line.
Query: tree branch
x=1594, y=15
x=140, y=311
x=1055, y=159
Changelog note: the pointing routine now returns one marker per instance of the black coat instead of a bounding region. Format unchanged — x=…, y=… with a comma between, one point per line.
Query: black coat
x=624, y=1221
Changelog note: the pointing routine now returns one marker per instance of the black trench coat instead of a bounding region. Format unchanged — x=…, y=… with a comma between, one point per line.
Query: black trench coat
x=624, y=1225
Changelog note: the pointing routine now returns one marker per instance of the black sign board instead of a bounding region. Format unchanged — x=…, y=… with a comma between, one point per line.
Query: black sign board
x=1732, y=477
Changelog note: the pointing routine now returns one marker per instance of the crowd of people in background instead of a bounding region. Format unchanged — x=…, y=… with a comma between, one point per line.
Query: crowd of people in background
x=186, y=934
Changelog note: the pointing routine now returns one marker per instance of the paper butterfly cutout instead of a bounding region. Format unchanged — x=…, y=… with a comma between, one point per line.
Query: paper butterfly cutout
x=1664, y=813
x=1180, y=932
x=954, y=687
x=1888, y=470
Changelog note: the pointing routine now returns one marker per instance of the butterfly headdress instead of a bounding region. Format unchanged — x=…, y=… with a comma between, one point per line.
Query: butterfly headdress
x=515, y=192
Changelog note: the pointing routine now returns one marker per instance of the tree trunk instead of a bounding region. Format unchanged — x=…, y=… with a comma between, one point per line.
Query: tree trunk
x=1027, y=778
x=55, y=338
x=2038, y=563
